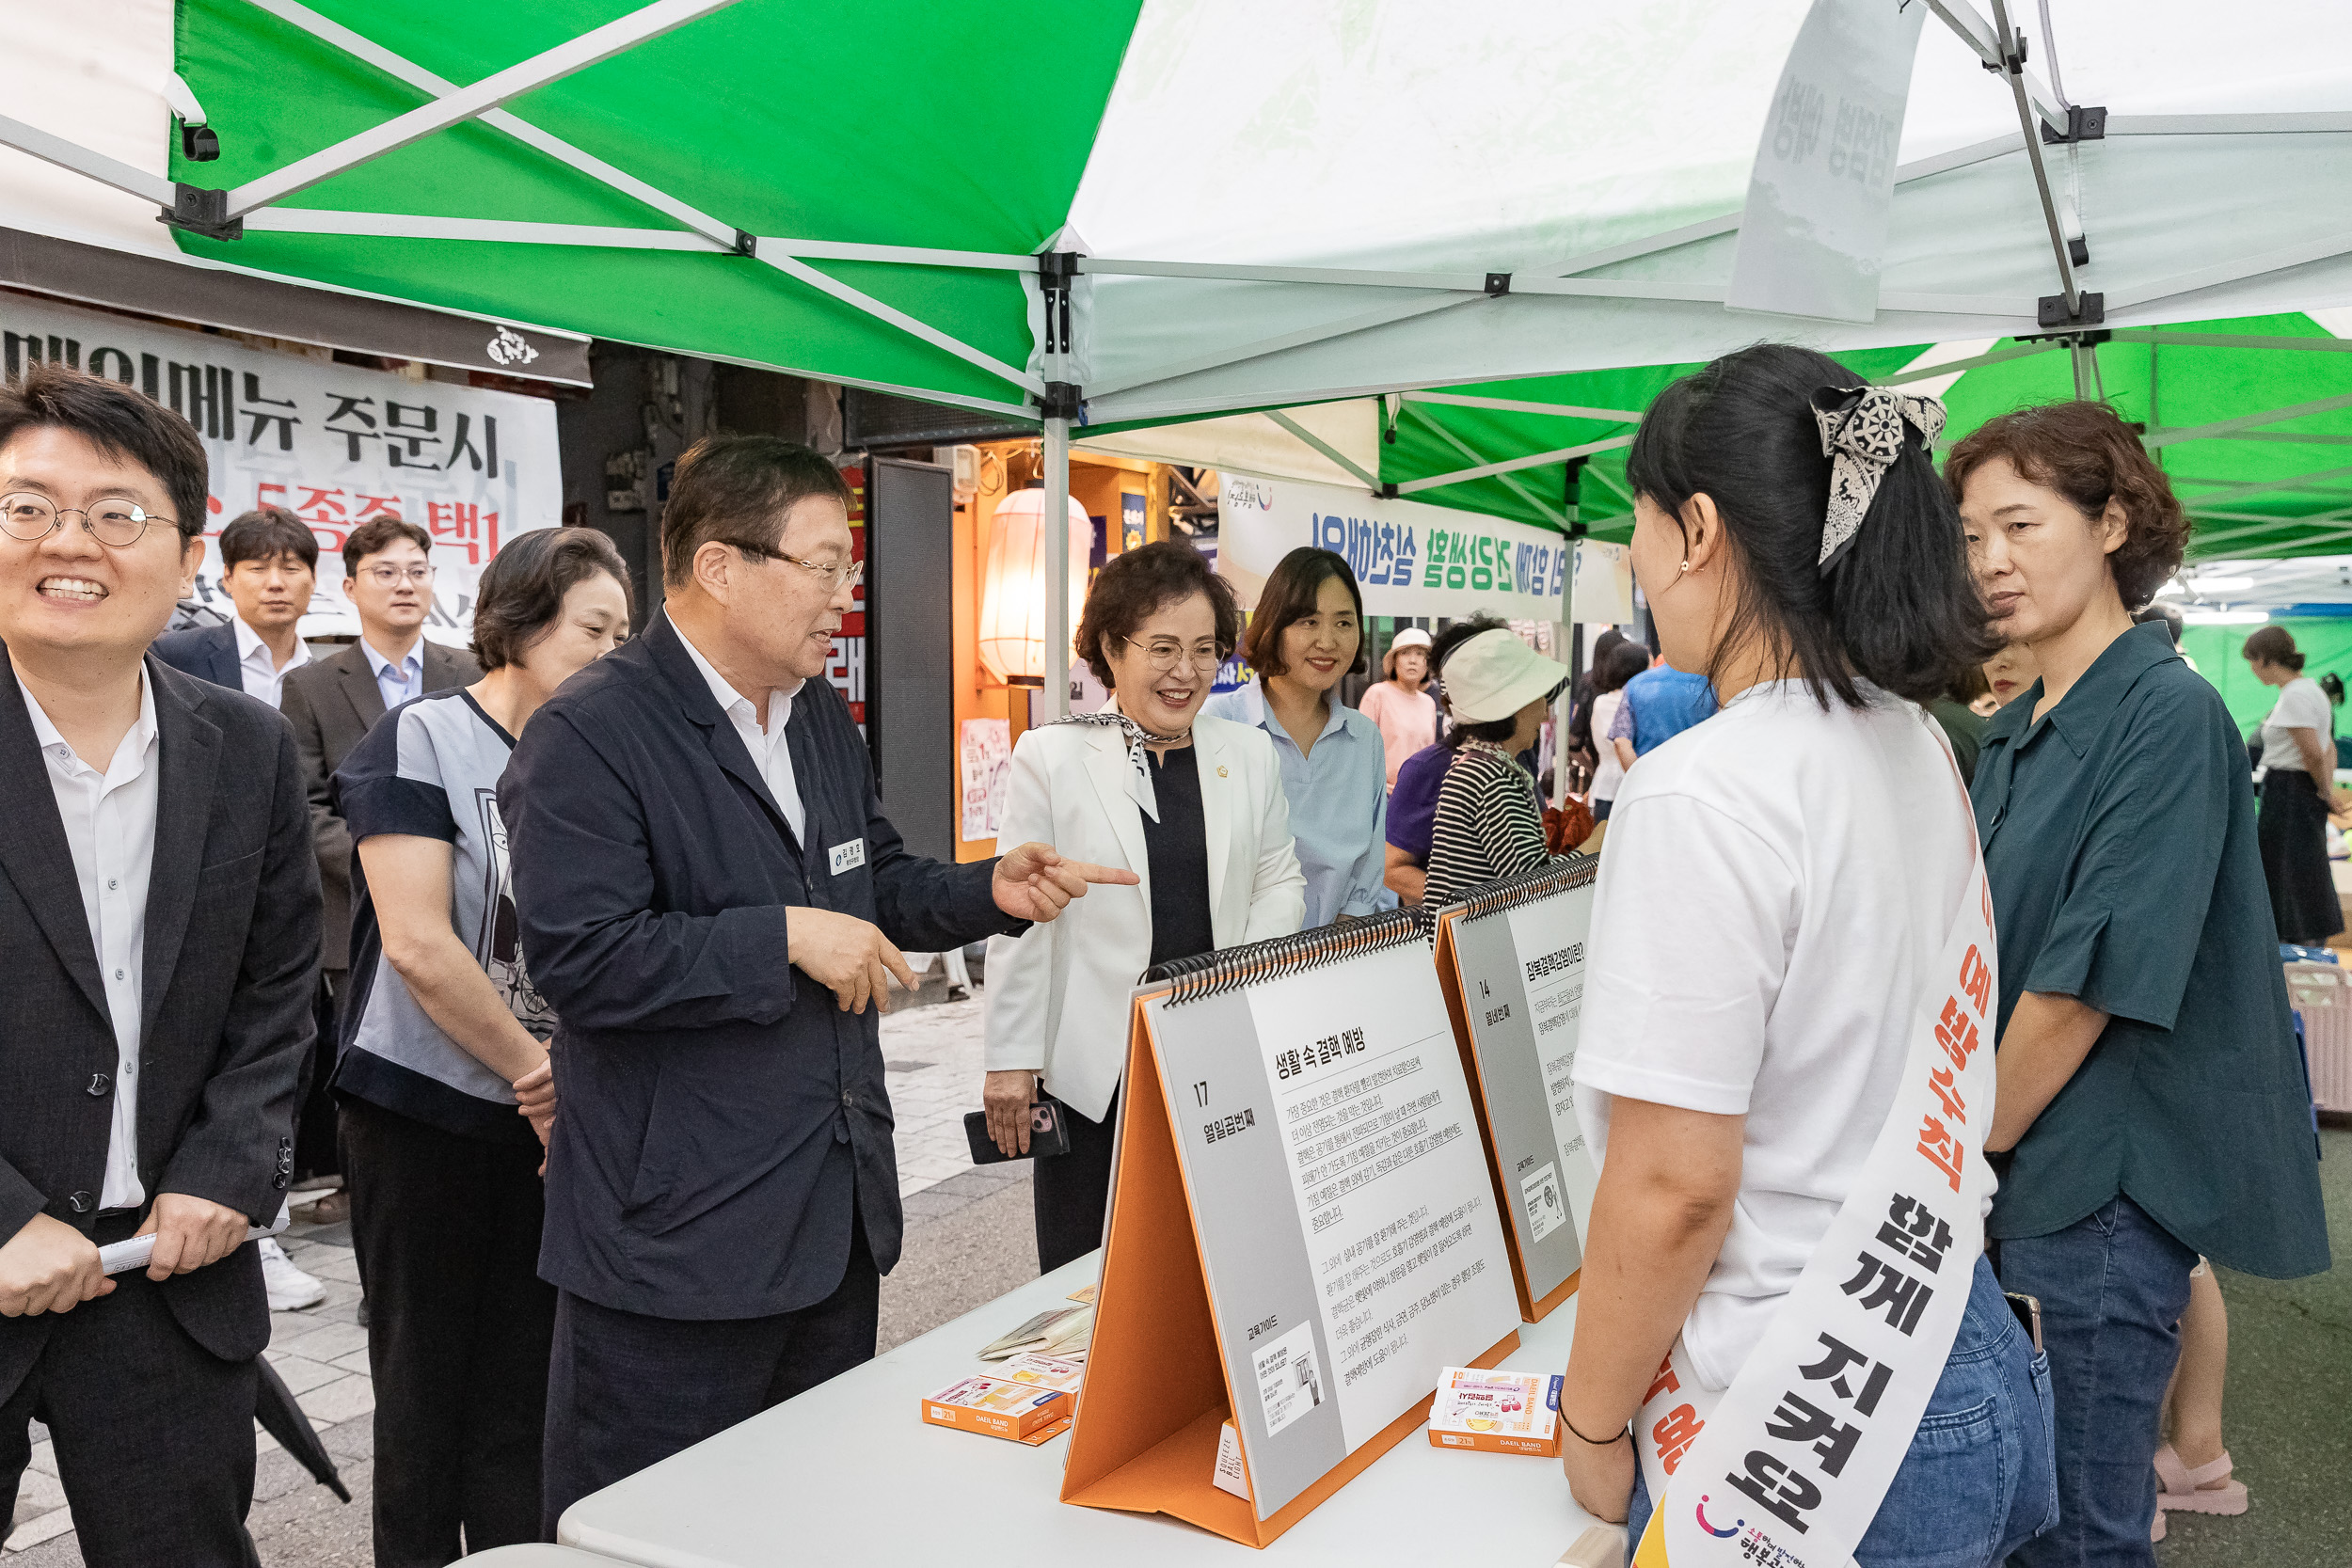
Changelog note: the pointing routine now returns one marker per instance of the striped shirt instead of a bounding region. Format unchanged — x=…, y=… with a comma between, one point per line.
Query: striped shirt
x=1486, y=824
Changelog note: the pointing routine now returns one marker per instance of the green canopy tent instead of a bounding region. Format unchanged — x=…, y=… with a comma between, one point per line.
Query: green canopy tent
x=2248, y=417
x=1123, y=213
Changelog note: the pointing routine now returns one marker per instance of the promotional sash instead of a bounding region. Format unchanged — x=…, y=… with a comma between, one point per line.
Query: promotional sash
x=1786, y=1467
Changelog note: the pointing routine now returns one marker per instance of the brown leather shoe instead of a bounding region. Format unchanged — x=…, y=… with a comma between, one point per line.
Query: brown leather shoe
x=333, y=1208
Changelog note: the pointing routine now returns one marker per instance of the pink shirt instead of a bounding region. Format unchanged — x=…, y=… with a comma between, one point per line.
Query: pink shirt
x=1407, y=722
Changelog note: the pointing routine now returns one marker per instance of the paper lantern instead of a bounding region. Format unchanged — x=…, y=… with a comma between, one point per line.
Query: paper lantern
x=1013, y=632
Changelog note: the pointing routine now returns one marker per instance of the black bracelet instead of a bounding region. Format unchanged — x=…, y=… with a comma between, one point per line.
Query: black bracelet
x=1595, y=1442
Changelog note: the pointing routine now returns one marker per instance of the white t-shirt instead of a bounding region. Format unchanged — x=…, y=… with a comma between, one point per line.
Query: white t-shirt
x=2301, y=706
x=1610, y=773
x=1777, y=886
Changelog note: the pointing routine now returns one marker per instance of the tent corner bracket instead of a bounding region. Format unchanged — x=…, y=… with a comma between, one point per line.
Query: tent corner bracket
x=2084, y=122
x=1062, y=401
x=746, y=244
x=202, y=211
x=1388, y=491
x=1498, y=284
x=2051, y=312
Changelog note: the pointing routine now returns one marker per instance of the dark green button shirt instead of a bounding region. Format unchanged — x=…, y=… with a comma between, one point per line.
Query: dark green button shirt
x=2119, y=837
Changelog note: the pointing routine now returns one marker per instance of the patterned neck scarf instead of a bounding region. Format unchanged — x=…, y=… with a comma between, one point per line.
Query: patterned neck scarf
x=1862, y=434
x=1138, y=757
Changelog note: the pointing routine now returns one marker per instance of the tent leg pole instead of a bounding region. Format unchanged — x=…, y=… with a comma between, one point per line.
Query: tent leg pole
x=1058, y=609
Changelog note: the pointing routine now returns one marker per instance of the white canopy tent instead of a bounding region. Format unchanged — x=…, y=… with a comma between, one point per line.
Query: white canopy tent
x=1279, y=206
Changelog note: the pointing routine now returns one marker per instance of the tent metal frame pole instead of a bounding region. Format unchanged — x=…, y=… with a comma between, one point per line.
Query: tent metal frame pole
x=2269, y=526
x=1976, y=361
x=1496, y=470
x=2220, y=428
x=2231, y=272
x=1370, y=481
x=81, y=160
x=576, y=54
x=2169, y=339
x=290, y=220
x=360, y=47
x=1550, y=511
x=1057, y=605
x=1991, y=44
x=2229, y=491
x=2013, y=69
x=1513, y=405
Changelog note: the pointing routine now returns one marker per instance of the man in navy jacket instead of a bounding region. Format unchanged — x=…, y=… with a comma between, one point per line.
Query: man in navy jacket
x=710, y=898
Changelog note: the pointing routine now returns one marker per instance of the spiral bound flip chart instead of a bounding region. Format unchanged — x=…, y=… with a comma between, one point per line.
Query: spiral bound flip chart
x=1302, y=1232
x=1511, y=962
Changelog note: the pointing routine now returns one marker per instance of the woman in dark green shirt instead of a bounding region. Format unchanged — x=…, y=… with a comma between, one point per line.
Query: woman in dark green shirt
x=2151, y=1100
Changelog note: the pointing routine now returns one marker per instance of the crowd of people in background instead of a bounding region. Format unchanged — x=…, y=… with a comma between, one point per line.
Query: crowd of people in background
x=497, y=937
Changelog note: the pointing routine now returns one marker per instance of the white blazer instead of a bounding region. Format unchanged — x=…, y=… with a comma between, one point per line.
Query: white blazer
x=1058, y=994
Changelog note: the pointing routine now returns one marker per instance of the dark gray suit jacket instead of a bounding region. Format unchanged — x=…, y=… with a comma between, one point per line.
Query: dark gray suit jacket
x=208, y=653
x=722, y=1118
x=332, y=702
x=232, y=932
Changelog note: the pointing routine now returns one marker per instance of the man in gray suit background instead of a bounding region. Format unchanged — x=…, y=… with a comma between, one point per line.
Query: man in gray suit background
x=332, y=702
x=159, y=935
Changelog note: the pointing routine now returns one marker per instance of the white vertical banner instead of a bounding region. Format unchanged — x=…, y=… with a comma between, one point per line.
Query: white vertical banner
x=335, y=444
x=1601, y=584
x=1813, y=235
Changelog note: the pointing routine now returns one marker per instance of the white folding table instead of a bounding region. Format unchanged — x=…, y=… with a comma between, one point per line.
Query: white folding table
x=850, y=1473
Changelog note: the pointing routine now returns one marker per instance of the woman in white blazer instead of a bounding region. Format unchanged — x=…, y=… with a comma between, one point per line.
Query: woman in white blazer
x=1193, y=805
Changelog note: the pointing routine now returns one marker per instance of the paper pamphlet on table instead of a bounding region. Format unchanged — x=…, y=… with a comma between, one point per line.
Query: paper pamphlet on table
x=138, y=1251
x=1302, y=1231
x=1511, y=961
x=1062, y=1331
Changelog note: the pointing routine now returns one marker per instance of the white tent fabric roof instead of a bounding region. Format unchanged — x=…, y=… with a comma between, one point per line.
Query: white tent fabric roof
x=1539, y=139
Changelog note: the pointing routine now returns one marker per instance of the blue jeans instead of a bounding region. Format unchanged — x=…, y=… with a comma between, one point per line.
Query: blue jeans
x=2113, y=1286
x=1978, y=1480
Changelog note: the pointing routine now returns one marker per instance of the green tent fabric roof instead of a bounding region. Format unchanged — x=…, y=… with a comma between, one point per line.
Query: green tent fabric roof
x=893, y=122
x=2256, y=483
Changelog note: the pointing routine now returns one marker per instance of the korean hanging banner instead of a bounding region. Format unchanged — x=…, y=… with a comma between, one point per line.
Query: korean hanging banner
x=1410, y=559
x=1786, y=1467
x=335, y=444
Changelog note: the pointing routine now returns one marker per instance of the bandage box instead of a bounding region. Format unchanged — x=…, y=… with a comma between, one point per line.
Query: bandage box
x=998, y=1407
x=1496, y=1411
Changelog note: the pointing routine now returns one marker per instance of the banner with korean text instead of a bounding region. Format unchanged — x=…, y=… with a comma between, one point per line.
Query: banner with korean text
x=1410, y=559
x=336, y=444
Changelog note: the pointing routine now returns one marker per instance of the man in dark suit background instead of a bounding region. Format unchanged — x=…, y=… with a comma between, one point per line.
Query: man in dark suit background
x=710, y=897
x=159, y=933
x=268, y=565
x=333, y=702
x=269, y=562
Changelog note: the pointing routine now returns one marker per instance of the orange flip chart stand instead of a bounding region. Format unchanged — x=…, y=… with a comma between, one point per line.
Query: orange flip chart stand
x=1302, y=1235
x=1511, y=961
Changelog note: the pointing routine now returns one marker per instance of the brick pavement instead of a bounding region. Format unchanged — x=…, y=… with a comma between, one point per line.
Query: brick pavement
x=932, y=1049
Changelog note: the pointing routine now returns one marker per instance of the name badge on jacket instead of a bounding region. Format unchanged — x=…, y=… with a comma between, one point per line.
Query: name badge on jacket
x=846, y=857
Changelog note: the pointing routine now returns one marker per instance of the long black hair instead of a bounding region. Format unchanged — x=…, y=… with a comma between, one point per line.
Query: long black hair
x=1900, y=608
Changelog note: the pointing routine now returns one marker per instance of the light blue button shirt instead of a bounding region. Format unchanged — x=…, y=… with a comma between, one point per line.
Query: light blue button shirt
x=1339, y=800
x=398, y=681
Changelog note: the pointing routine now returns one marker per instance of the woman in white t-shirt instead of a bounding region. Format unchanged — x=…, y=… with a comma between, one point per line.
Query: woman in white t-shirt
x=1778, y=884
x=2299, y=779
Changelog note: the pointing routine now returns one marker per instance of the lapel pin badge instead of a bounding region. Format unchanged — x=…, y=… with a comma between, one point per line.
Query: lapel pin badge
x=1220, y=770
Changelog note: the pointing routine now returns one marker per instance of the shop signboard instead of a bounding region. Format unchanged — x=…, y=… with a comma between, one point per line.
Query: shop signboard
x=1409, y=558
x=336, y=444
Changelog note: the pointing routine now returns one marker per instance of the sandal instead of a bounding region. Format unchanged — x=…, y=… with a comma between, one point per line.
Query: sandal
x=2207, y=1489
x=2155, y=1529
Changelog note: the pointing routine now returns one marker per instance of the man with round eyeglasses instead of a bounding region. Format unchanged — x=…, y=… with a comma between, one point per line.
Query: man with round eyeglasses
x=159, y=916
x=713, y=902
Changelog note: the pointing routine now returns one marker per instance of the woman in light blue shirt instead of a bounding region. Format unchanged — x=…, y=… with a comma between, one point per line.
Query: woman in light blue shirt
x=1306, y=633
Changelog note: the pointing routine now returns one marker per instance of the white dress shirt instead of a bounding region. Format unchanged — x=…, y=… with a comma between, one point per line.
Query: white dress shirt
x=398, y=681
x=257, y=666
x=110, y=825
x=769, y=754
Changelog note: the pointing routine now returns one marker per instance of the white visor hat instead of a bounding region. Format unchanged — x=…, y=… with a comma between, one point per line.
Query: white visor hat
x=1494, y=674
